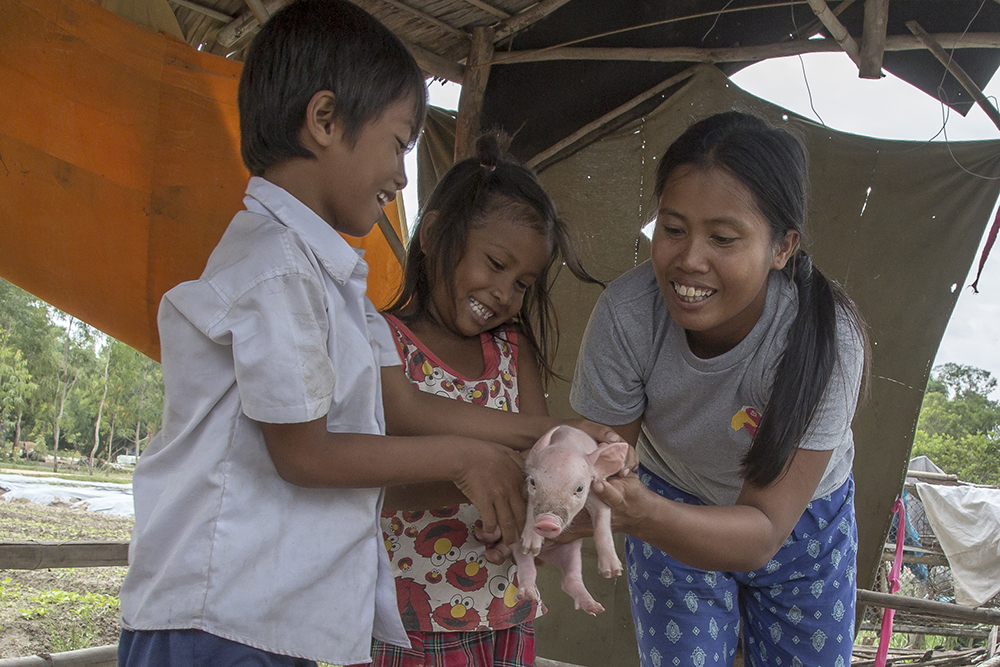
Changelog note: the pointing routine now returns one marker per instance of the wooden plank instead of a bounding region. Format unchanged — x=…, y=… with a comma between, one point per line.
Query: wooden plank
x=735, y=54
x=526, y=18
x=580, y=134
x=98, y=656
x=939, y=630
x=470, y=102
x=424, y=16
x=934, y=47
x=837, y=29
x=873, y=38
x=40, y=555
x=489, y=9
x=943, y=610
x=207, y=11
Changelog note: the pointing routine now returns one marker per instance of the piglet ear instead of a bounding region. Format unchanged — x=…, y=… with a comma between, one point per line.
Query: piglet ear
x=545, y=440
x=608, y=459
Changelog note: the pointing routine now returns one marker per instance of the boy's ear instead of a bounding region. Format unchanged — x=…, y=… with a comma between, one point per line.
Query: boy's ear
x=321, y=121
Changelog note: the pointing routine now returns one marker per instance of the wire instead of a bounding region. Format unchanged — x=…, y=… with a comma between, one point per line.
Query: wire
x=805, y=77
x=719, y=15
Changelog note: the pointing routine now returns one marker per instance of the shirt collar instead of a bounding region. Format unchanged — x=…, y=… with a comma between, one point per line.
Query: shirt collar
x=339, y=258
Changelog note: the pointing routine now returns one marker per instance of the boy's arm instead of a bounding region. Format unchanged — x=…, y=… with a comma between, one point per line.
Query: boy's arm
x=489, y=475
x=409, y=411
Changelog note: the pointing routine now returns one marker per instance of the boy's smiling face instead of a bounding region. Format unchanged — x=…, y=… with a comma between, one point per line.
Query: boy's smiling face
x=347, y=185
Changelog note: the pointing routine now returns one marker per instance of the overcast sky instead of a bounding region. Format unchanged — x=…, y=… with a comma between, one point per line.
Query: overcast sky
x=889, y=109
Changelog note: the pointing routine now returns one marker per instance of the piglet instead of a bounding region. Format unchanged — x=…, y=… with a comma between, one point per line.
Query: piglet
x=559, y=470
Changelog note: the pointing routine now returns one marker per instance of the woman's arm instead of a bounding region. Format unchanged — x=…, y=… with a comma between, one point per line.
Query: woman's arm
x=737, y=538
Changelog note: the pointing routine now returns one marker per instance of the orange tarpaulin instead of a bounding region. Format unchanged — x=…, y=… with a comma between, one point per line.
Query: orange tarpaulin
x=119, y=165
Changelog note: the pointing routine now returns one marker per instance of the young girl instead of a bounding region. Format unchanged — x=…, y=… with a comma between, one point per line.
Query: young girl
x=736, y=366
x=474, y=323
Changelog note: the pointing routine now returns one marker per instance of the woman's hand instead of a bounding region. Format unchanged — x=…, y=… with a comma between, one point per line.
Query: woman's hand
x=628, y=499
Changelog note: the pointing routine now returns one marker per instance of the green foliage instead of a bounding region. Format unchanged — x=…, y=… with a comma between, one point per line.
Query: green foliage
x=959, y=425
x=89, y=611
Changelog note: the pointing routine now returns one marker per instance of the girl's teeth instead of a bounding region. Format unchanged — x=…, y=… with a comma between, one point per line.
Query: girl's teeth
x=480, y=309
x=692, y=293
x=382, y=199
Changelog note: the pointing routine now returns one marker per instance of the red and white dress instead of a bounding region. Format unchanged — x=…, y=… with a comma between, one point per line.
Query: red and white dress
x=443, y=582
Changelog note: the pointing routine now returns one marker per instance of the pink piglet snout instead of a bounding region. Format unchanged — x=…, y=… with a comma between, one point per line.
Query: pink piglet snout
x=548, y=525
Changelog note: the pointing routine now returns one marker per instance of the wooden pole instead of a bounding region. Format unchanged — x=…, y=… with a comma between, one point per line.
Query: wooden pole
x=41, y=555
x=470, y=102
x=873, y=39
x=427, y=18
x=529, y=16
x=99, y=656
x=259, y=11
x=934, y=47
x=435, y=65
x=837, y=29
x=490, y=9
x=608, y=117
x=989, y=40
x=943, y=610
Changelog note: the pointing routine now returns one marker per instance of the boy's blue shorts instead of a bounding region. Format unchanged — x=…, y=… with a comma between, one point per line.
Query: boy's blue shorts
x=797, y=610
x=194, y=648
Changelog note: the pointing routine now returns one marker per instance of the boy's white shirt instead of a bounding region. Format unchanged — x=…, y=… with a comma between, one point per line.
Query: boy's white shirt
x=277, y=329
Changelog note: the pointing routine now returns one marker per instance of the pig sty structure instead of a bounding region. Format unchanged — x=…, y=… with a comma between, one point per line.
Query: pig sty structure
x=559, y=470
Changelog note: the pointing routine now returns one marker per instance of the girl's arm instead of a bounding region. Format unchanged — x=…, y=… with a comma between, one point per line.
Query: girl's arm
x=433, y=495
x=490, y=475
x=737, y=538
x=409, y=411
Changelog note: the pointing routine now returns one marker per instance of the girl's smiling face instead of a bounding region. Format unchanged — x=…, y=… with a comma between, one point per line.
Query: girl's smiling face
x=712, y=252
x=504, y=254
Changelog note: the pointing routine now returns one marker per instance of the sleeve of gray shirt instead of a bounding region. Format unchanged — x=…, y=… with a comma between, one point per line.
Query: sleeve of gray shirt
x=608, y=384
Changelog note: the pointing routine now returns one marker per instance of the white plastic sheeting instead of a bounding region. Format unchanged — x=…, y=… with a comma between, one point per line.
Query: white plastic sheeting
x=105, y=497
x=966, y=521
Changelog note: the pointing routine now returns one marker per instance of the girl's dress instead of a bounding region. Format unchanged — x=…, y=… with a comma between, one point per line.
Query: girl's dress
x=451, y=598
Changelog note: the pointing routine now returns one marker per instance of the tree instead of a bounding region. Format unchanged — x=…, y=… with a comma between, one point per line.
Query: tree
x=959, y=425
x=15, y=388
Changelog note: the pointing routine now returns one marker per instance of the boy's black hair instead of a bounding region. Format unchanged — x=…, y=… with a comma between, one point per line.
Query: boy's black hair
x=771, y=163
x=314, y=45
x=464, y=194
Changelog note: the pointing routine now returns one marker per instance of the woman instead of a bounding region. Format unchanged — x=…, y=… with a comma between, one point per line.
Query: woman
x=734, y=366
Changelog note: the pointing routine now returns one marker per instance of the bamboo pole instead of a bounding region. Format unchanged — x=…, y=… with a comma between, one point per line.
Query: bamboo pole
x=873, y=38
x=259, y=11
x=424, y=16
x=989, y=40
x=939, y=630
x=943, y=610
x=526, y=18
x=99, y=656
x=489, y=9
x=608, y=117
x=470, y=102
x=934, y=47
x=837, y=29
x=40, y=555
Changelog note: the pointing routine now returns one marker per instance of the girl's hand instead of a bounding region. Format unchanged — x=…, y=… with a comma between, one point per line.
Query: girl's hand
x=492, y=478
x=598, y=432
x=627, y=497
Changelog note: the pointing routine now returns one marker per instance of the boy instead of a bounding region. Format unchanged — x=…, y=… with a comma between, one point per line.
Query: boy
x=256, y=538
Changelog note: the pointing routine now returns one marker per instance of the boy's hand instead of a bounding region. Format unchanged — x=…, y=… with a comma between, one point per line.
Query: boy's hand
x=492, y=478
x=598, y=432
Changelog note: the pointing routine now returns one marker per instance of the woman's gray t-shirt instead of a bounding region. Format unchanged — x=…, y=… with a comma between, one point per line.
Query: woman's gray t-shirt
x=699, y=415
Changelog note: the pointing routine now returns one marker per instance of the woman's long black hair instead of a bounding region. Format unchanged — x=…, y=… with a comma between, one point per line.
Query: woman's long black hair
x=464, y=194
x=772, y=164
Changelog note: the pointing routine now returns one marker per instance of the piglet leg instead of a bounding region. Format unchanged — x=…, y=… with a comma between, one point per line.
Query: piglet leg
x=607, y=558
x=567, y=558
x=527, y=589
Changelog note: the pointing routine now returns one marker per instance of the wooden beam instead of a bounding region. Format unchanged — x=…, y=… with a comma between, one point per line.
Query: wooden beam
x=435, y=65
x=580, y=134
x=522, y=20
x=934, y=47
x=490, y=9
x=207, y=11
x=809, y=29
x=260, y=12
x=99, y=656
x=836, y=28
x=40, y=555
x=873, y=38
x=940, y=630
x=424, y=16
x=932, y=476
x=990, y=40
x=943, y=610
x=470, y=102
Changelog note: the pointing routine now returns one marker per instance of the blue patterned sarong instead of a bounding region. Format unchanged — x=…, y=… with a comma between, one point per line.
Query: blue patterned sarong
x=797, y=611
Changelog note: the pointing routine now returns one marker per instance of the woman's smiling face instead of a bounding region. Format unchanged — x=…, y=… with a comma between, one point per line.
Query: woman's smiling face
x=712, y=253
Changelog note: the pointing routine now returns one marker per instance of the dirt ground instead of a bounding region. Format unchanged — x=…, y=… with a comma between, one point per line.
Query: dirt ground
x=49, y=611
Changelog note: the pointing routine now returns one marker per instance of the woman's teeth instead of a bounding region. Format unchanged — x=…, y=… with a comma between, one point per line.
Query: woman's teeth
x=480, y=309
x=692, y=294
